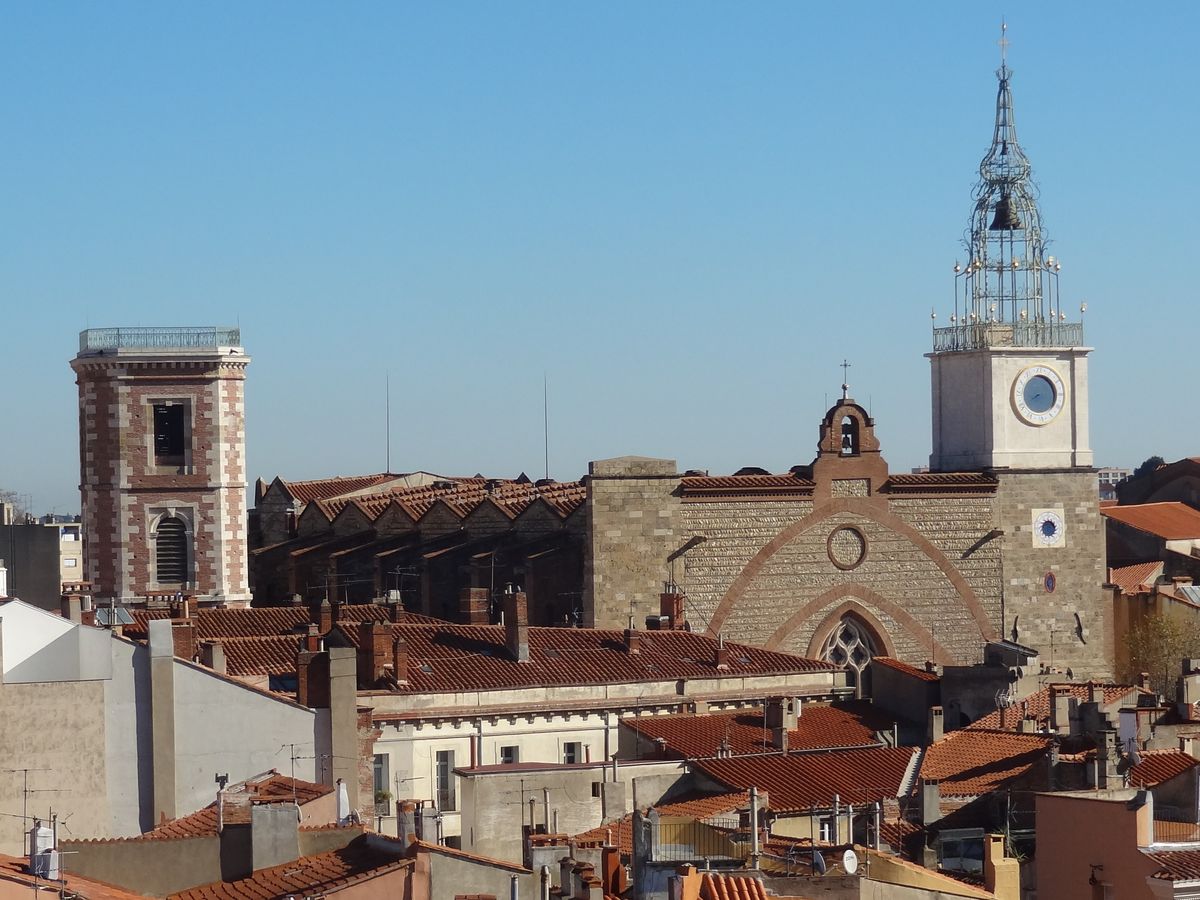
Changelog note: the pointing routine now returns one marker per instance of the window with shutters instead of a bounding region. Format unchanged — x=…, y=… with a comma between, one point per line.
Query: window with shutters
x=171, y=551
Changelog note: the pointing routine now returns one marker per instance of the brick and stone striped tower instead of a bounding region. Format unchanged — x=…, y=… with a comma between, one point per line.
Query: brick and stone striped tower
x=163, y=462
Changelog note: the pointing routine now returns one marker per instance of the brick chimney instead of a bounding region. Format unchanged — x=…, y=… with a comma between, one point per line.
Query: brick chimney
x=473, y=606
x=400, y=660
x=781, y=715
x=633, y=641
x=312, y=638
x=184, y=635
x=670, y=607
x=312, y=679
x=516, y=625
x=374, y=650
x=323, y=614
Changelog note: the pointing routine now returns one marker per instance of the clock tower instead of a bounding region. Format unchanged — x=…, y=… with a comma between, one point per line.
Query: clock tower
x=1010, y=396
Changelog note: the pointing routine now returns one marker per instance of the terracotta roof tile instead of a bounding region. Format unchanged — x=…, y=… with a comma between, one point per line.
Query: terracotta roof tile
x=1157, y=766
x=901, y=666
x=13, y=873
x=268, y=655
x=743, y=485
x=1135, y=579
x=271, y=787
x=365, y=856
x=1037, y=705
x=717, y=886
x=258, y=621
x=820, y=727
x=1171, y=521
x=973, y=761
x=1177, y=865
x=307, y=491
x=448, y=657
x=904, y=482
x=798, y=781
x=620, y=833
x=461, y=496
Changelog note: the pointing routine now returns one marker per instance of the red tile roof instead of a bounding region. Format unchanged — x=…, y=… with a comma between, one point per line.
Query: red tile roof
x=260, y=621
x=1037, y=705
x=1177, y=865
x=900, y=666
x=800, y=781
x=1135, y=579
x=820, y=727
x=13, y=874
x=1157, y=766
x=716, y=886
x=1171, y=521
x=756, y=486
x=269, y=655
x=620, y=833
x=367, y=856
x=307, y=491
x=975, y=761
x=448, y=657
x=462, y=496
x=271, y=787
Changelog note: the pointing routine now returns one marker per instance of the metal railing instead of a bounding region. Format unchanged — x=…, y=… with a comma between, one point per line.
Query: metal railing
x=185, y=338
x=982, y=335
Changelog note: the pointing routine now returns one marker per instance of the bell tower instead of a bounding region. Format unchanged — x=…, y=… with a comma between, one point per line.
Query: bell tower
x=1010, y=380
x=1010, y=396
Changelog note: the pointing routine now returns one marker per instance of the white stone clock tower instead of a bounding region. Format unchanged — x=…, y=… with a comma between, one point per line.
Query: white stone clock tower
x=1010, y=396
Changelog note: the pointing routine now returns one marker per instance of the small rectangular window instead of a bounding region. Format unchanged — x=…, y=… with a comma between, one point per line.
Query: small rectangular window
x=827, y=833
x=383, y=795
x=170, y=434
x=572, y=752
x=446, y=800
x=510, y=756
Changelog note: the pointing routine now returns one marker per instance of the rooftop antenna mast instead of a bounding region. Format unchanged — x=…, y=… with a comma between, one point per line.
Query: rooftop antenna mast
x=387, y=419
x=546, y=419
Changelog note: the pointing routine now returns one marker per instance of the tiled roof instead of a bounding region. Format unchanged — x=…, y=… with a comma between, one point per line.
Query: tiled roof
x=270, y=787
x=698, y=808
x=365, y=856
x=1137, y=578
x=307, y=491
x=268, y=655
x=461, y=496
x=759, y=486
x=799, y=781
x=1157, y=766
x=900, y=666
x=448, y=657
x=1177, y=865
x=258, y=621
x=1037, y=705
x=912, y=482
x=1171, y=520
x=717, y=886
x=15, y=881
x=975, y=761
x=820, y=727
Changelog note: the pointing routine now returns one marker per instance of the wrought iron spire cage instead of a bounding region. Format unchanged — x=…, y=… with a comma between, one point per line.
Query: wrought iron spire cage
x=1007, y=294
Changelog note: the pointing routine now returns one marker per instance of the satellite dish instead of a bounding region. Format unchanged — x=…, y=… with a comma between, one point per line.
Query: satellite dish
x=818, y=863
x=850, y=862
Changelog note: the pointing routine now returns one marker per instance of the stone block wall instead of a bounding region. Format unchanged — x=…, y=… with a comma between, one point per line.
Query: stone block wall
x=1070, y=625
x=633, y=507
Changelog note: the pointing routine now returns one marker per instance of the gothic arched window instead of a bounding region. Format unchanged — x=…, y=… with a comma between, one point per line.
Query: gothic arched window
x=171, y=551
x=851, y=646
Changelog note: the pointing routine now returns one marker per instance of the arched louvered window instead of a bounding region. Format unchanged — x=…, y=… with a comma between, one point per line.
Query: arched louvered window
x=171, y=551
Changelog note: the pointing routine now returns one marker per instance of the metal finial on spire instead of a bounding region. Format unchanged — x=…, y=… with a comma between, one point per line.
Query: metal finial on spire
x=845, y=379
x=1007, y=293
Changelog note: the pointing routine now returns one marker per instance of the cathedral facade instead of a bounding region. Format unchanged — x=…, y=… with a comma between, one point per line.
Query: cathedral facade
x=1000, y=539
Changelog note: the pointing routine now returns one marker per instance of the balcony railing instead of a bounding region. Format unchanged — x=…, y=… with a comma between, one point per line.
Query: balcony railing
x=982, y=335
x=187, y=338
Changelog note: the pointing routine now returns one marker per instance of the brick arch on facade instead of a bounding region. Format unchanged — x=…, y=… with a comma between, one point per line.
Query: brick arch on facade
x=868, y=510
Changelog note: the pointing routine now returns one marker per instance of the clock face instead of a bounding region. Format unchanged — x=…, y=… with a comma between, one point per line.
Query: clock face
x=1038, y=395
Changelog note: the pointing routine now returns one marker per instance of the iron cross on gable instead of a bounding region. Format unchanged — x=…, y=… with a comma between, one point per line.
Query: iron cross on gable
x=1003, y=42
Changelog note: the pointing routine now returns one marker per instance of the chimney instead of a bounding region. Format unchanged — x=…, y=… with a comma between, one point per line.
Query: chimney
x=1143, y=680
x=1001, y=874
x=212, y=654
x=931, y=801
x=633, y=641
x=516, y=625
x=721, y=660
x=184, y=635
x=183, y=608
x=473, y=606
x=312, y=639
x=312, y=679
x=1061, y=702
x=400, y=661
x=937, y=724
x=323, y=614
x=406, y=824
x=72, y=607
x=374, y=650
x=670, y=607
x=780, y=715
x=1108, y=755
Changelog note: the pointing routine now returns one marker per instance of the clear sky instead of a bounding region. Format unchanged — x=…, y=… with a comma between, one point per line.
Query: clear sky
x=685, y=214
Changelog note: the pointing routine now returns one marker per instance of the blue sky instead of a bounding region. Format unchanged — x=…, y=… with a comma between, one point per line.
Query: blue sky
x=686, y=214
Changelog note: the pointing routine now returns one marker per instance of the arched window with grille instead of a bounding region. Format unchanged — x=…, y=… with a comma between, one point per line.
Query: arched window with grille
x=171, y=551
x=851, y=646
